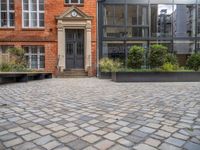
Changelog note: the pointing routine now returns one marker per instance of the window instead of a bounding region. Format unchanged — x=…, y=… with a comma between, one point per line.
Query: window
x=161, y=20
x=7, y=13
x=4, y=48
x=35, y=57
x=74, y=1
x=33, y=13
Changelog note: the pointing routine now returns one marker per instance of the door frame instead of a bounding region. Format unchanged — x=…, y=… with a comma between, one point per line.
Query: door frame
x=84, y=51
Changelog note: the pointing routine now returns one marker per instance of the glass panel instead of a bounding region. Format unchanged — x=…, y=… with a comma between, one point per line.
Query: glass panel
x=11, y=5
x=33, y=5
x=183, y=50
x=114, y=15
x=33, y=19
x=114, y=50
x=41, y=19
x=114, y=32
x=184, y=20
x=161, y=20
x=34, y=49
x=34, y=64
x=26, y=19
x=137, y=32
x=12, y=19
x=25, y=5
x=27, y=61
x=42, y=61
x=137, y=14
x=3, y=5
x=41, y=5
x=3, y=19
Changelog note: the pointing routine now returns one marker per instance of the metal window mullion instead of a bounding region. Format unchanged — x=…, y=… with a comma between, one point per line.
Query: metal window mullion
x=8, y=20
x=37, y=9
x=38, y=57
x=30, y=55
x=29, y=13
x=0, y=13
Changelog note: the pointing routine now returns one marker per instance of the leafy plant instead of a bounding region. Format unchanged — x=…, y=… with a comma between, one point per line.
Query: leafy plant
x=136, y=57
x=169, y=67
x=157, y=55
x=171, y=58
x=17, y=55
x=109, y=65
x=5, y=67
x=193, y=62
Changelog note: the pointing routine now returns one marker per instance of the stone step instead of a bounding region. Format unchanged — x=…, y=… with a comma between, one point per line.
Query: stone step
x=72, y=74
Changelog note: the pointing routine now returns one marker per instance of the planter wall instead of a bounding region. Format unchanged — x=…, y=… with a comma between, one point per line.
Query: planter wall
x=105, y=75
x=156, y=76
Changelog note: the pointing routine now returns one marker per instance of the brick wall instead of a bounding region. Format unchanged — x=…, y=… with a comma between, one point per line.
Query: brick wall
x=47, y=36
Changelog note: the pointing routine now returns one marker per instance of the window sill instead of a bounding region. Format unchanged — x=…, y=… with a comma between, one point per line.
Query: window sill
x=33, y=29
x=7, y=28
x=78, y=5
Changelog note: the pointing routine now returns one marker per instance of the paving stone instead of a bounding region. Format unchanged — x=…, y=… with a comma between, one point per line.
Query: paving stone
x=91, y=129
x=169, y=129
x=25, y=146
x=90, y=148
x=23, y=132
x=7, y=137
x=68, y=138
x=166, y=146
x=123, y=123
x=112, y=136
x=144, y=147
x=147, y=130
x=91, y=138
x=30, y=136
x=163, y=133
x=44, y=132
x=104, y=144
x=78, y=144
x=80, y=133
x=153, y=125
x=125, y=142
x=175, y=141
x=180, y=136
x=192, y=146
x=59, y=134
x=119, y=147
x=15, y=129
x=51, y=145
x=13, y=142
x=126, y=130
x=153, y=142
x=43, y=140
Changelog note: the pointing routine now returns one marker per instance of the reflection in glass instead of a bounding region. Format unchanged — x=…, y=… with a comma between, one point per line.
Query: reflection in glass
x=114, y=15
x=114, y=50
x=161, y=20
x=184, y=20
x=114, y=32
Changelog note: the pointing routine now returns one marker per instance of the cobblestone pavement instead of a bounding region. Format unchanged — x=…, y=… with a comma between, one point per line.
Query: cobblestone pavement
x=90, y=114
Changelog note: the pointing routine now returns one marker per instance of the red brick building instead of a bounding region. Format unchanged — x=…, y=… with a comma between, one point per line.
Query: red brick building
x=56, y=34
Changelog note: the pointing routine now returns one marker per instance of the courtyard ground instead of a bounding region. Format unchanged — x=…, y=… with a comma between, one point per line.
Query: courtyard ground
x=90, y=114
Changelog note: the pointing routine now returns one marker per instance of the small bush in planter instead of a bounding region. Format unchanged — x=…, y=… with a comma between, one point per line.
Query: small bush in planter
x=193, y=62
x=157, y=55
x=109, y=65
x=171, y=58
x=169, y=67
x=17, y=55
x=136, y=57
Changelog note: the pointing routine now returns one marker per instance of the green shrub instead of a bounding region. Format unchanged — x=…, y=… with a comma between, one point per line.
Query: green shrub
x=136, y=57
x=5, y=67
x=9, y=67
x=109, y=65
x=193, y=62
x=18, y=55
x=157, y=55
x=171, y=58
x=169, y=67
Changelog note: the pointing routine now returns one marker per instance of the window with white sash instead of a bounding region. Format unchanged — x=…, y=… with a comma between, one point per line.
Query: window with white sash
x=74, y=1
x=33, y=13
x=7, y=13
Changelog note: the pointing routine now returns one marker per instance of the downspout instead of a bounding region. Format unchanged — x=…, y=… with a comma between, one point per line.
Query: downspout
x=97, y=38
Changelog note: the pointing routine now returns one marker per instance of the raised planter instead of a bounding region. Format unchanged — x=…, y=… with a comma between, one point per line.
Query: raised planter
x=156, y=76
x=105, y=75
x=10, y=77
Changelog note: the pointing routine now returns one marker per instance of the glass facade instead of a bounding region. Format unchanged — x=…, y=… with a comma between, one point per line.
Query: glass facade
x=172, y=23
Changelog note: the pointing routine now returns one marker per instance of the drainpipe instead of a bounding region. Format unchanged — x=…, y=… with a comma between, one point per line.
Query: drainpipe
x=97, y=38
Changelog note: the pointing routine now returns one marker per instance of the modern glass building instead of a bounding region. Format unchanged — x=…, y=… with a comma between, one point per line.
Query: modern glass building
x=124, y=23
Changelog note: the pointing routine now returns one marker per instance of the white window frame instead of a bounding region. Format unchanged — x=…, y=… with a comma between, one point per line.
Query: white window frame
x=70, y=2
x=29, y=11
x=38, y=54
x=8, y=11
